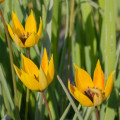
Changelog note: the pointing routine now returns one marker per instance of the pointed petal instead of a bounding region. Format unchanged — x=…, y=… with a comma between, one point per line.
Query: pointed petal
x=28, y=81
x=42, y=80
x=11, y=31
x=30, y=25
x=29, y=67
x=97, y=100
x=82, y=79
x=17, y=25
x=79, y=96
x=18, y=41
x=50, y=73
x=44, y=63
x=98, y=78
x=40, y=28
x=98, y=96
x=31, y=40
x=109, y=85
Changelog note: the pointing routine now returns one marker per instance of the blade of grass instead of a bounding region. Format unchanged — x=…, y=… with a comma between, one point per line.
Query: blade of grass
x=69, y=98
x=75, y=115
x=89, y=111
x=65, y=112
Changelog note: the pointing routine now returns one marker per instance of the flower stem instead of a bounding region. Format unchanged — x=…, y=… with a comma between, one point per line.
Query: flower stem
x=47, y=106
x=11, y=61
x=27, y=96
x=97, y=114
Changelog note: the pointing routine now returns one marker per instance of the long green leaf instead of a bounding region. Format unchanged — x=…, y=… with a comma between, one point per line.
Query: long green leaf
x=89, y=27
x=108, y=49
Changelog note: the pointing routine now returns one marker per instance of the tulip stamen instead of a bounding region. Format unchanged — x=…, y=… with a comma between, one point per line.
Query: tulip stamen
x=89, y=94
x=36, y=77
x=23, y=37
x=94, y=92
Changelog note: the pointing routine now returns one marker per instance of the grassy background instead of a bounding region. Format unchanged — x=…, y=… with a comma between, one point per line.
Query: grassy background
x=76, y=32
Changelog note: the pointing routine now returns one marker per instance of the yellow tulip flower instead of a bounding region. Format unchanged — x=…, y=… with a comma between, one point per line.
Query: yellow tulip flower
x=27, y=37
x=88, y=92
x=2, y=1
x=34, y=78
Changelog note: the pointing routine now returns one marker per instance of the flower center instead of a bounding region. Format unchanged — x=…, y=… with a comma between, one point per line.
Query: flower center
x=95, y=95
x=23, y=37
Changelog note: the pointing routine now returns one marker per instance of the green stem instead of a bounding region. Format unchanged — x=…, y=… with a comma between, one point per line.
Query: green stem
x=97, y=114
x=50, y=116
x=27, y=95
x=11, y=61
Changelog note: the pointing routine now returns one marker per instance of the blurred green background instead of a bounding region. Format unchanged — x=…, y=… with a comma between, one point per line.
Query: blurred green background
x=76, y=32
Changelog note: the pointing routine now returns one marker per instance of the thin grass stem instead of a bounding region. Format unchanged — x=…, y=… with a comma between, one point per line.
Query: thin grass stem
x=11, y=61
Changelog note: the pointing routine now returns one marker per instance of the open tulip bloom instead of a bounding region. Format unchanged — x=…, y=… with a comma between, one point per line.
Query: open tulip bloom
x=88, y=92
x=27, y=37
x=34, y=78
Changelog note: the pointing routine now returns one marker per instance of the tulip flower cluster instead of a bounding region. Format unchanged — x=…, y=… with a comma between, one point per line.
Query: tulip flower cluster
x=30, y=75
x=87, y=92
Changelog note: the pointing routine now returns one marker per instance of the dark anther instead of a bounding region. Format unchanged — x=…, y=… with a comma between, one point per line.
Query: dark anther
x=36, y=77
x=23, y=37
x=89, y=95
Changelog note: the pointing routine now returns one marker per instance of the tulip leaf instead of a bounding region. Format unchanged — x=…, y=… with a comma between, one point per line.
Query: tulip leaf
x=56, y=18
x=108, y=48
x=90, y=35
x=101, y=3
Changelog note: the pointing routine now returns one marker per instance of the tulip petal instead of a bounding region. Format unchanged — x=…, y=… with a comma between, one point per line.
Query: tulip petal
x=11, y=31
x=30, y=26
x=40, y=28
x=29, y=67
x=42, y=80
x=17, y=25
x=29, y=81
x=79, y=96
x=44, y=63
x=50, y=73
x=109, y=85
x=18, y=41
x=82, y=79
x=98, y=78
x=31, y=40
